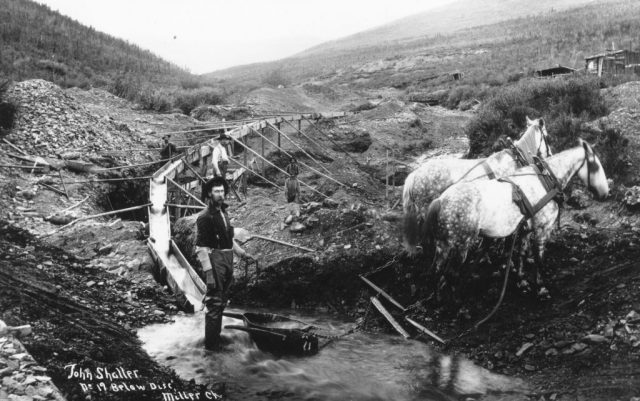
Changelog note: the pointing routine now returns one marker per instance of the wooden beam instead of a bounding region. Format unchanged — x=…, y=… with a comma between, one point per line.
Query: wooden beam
x=380, y=291
x=305, y=164
x=278, y=168
x=423, y=329
x=306, y=136
x=187, y=192
x=304, y=151
x=376, y=302
x=282, y=242
x=14, y=146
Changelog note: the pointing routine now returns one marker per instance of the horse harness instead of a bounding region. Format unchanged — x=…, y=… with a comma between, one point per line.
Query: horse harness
x=550, y=183
x=519, y=157
x=516, y=153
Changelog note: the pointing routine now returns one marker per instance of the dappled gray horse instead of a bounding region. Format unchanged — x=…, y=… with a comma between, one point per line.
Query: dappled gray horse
x=432, y=178
x=467, y=210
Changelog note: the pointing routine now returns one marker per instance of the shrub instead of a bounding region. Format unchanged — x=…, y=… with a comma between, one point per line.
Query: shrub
x=126, y=87
x=151, y=99
x=275, y=78
x=53, y=67
x=187, y=100
x=558, y=101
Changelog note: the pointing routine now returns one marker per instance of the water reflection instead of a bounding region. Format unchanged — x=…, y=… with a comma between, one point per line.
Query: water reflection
x=361, y=366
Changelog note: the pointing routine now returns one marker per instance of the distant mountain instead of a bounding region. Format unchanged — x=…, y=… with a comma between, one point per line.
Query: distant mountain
x=462, y=14
x=461, y=36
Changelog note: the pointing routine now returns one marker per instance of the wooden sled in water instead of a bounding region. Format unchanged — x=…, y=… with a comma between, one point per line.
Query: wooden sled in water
x=277, y=334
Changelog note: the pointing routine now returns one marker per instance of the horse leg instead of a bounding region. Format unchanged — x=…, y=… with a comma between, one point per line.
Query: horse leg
x=538, y=254
x=524, y=247
x=440, y=266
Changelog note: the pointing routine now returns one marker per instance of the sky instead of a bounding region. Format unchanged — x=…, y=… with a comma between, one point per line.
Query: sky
x=207, y=35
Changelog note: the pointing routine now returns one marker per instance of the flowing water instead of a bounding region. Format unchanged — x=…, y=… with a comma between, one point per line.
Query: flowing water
x=361, y=366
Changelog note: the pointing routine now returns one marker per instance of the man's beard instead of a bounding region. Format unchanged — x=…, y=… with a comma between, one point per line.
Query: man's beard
x=215, y=203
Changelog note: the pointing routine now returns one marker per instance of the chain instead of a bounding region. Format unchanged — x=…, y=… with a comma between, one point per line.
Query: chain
x=378, y=269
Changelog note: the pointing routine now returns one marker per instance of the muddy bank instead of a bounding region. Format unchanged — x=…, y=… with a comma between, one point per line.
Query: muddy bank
x=582, y=344
x=85, y=317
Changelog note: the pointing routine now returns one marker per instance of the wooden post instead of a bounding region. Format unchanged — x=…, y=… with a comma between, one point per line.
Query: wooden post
x=299, y=125
x=393, y=177
x=244, y=176
x=386, y=178
x=204, y=167
x=262, y=153
x=278, y=125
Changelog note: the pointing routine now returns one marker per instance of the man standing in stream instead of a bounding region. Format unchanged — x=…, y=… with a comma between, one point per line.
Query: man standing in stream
x=215, y=247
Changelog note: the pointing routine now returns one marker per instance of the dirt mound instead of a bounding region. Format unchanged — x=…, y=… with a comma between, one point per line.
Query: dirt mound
x=51, y=122
x=219, y=113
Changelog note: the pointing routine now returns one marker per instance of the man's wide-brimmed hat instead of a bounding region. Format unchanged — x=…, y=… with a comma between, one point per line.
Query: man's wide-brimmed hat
x=224, y=136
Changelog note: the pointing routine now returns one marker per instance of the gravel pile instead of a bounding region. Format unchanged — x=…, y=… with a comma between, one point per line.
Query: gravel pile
x=52, y=123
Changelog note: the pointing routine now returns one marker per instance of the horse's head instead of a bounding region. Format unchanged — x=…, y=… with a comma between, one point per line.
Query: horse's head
x=538, y=130
x=592, y=174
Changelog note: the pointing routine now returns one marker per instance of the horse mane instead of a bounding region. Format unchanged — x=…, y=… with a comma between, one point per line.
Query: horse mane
x=527, y=142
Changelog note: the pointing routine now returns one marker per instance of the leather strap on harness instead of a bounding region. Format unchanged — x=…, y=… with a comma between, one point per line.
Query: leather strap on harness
x=517, y=154
x=520, y=199
x=550, y=183
x=489, y=172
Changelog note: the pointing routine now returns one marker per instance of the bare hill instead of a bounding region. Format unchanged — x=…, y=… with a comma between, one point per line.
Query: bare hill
x=489, y=54
x=445, y=20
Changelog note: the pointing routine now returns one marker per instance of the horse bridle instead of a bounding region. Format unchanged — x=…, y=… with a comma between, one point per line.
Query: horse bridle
x=591, y=165
x=544, y=139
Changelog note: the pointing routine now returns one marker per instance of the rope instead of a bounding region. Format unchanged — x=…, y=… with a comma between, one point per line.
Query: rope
x=251, y=170
x=301, y=162
x=278, y=168
x=301, y=149
x=308, y=138
x=502, y=292
x=138, y=165
x=378, y=269
x=146, y=177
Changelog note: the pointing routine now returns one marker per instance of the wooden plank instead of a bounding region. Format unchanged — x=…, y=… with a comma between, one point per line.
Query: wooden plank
x=187, y=266
x=376, y=302
x=186, y=192
x=423, y=329
x=37, y=168
x=14, y=146
x=380, y=291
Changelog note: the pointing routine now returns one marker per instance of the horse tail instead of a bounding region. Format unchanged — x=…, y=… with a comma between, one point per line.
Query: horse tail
x=412, y=219
x=431, y=225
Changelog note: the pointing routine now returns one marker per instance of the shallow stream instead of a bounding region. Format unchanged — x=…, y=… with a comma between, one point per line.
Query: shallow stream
x=360, y=366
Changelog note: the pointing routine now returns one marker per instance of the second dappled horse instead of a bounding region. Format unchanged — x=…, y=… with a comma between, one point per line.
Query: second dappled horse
x=467, y=210
x=432, y=178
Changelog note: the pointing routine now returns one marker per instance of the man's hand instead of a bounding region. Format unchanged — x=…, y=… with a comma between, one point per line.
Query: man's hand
x=210, y=279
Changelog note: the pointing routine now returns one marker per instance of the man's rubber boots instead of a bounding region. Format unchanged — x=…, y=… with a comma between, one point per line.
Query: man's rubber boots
x=213, y=322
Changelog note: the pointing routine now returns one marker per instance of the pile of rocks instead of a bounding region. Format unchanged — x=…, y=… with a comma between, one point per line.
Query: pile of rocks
x=21, y=378
x=51, y=123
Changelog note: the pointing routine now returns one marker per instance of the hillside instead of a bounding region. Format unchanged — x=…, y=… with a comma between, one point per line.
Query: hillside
x=486, y=54
x=462, y=14
x=37, y=42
